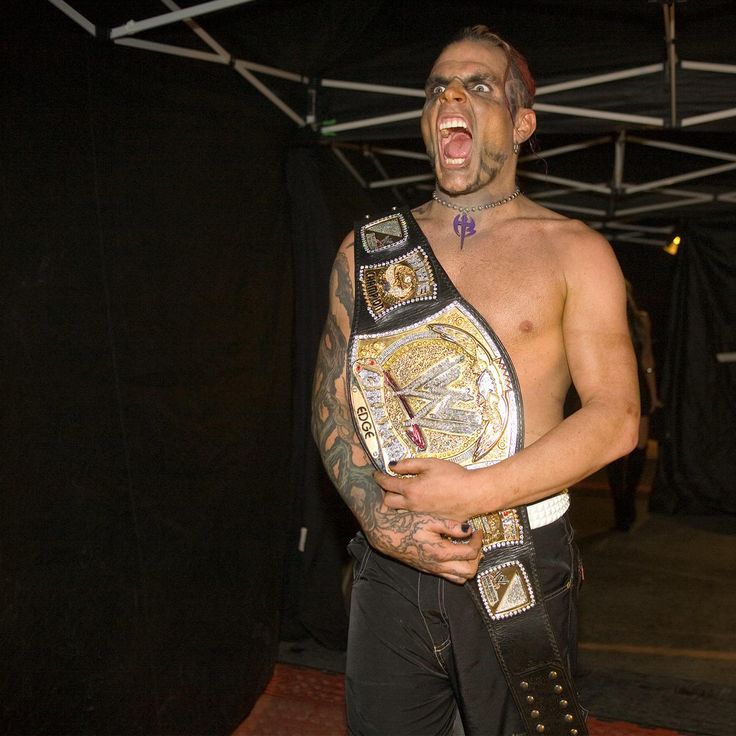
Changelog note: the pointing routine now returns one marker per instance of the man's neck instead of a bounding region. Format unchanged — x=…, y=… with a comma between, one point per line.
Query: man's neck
x=474, y=204
x=482, y=197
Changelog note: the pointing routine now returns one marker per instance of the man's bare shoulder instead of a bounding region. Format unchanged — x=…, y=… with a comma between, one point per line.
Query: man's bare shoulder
x=582, y=245
x=566, y=235
x=556, y=222
x=345, y=256
x=348, y=243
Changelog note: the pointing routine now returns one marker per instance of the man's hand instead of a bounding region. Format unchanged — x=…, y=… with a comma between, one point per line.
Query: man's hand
x=430, y=485
x=425, y=542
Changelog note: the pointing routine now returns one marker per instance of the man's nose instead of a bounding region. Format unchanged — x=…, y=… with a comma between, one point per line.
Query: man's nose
x=455, y=91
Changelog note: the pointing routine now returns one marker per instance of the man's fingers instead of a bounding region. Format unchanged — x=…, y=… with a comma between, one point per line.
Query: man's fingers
x=459, y=573
x=408, y=466
x=454, y=578
x=461, y=530
x=394, y=500
x=453, y=550
x=389, y=482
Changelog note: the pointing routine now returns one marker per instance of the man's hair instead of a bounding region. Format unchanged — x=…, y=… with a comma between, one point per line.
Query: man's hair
x=519, y=84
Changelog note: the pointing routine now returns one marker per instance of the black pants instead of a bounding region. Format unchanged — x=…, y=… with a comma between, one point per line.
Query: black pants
x=419, y=653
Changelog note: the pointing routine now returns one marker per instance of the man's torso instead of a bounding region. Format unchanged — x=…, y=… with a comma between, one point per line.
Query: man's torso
x=514, y=275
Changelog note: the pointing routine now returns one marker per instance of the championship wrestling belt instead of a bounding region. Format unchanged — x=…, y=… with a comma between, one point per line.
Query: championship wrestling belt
x=428, y=377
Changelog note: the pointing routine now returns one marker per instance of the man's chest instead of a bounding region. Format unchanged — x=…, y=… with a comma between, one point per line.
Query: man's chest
x=519, y=292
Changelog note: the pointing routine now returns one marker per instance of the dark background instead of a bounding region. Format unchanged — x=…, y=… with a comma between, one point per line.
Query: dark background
x=167, y=236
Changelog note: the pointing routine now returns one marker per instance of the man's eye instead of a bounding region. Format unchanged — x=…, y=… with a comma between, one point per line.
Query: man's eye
x=481, y=87
x=438, y=89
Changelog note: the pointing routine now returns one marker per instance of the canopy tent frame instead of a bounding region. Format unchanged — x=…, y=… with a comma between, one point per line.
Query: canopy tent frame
x=132, y=27
x=621, y=204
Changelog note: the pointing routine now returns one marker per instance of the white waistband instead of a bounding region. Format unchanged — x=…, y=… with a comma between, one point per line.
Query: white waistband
x=549, y=510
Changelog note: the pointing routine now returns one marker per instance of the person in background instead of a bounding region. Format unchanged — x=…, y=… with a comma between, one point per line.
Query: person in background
x=624, y=474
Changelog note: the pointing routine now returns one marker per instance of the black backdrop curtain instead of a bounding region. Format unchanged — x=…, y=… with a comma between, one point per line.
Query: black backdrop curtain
x=145, y=311
x=697, y=464
x=312, y=598
x=324, y=202
x=155, y=469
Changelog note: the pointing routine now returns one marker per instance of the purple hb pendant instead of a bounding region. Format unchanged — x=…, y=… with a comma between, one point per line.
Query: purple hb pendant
x=464, y=227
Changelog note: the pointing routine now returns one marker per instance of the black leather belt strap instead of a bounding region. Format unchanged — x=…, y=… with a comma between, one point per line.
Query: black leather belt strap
x=524, y=642
x=399, y=284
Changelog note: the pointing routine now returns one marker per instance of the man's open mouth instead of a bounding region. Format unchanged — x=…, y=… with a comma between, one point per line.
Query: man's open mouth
x=455, y=140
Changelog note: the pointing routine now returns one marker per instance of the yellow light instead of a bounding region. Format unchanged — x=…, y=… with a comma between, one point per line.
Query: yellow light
x=673, y=246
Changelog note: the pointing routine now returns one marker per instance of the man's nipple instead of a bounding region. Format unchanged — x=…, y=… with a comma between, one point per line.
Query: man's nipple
x=526, y=326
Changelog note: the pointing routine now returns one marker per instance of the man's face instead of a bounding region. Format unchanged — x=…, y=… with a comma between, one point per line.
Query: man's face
x=466, y=124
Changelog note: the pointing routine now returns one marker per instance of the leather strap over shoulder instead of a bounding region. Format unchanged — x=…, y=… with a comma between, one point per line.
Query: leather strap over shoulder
x=396, y=273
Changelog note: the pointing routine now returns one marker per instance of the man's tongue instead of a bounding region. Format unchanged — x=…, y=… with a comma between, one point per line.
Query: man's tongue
x=458, y=145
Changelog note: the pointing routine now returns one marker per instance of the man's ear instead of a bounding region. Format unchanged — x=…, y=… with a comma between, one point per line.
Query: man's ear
x=525, y=124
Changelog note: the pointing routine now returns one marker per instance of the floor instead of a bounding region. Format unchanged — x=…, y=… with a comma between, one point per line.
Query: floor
x=657, y=631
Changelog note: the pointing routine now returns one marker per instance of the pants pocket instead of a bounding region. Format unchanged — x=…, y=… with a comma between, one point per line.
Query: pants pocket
x=361, y=553
x=559, y=569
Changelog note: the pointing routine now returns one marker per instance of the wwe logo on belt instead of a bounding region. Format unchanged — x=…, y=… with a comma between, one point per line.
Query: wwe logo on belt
x=441, y=410
x=464, y=227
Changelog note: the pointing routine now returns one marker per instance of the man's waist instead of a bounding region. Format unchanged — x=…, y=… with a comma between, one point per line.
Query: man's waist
x=548, y=510
x=502, y=528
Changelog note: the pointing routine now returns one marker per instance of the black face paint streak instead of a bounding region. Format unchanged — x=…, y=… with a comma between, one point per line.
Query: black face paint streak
x=489, y=170
x=497, y=156
x=491, y=162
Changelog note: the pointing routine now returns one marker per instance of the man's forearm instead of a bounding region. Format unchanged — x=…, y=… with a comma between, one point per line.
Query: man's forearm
x=420, y=540
x=578, y=446
x=345, y=462
x=333, y=431
x=417, y=539
x=583, y=443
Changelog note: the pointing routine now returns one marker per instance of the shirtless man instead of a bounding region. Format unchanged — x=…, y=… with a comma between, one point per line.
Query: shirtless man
x=552, y=292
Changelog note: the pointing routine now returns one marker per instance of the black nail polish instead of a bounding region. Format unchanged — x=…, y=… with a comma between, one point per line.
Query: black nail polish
x=465, y=527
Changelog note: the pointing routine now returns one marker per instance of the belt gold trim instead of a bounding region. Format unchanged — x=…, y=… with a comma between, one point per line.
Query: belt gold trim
x=504, y=528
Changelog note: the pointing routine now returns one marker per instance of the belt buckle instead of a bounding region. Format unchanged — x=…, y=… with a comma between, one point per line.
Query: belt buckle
x=499, y=528
x=505, y=590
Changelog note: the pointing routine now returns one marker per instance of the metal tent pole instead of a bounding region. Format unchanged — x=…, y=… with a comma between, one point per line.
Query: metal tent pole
x=76, y=16
x=669, y=32
x=136, y=26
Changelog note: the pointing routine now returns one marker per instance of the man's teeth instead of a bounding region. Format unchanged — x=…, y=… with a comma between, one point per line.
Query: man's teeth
x=446, y=128
x=453, y=123
x=447, y=125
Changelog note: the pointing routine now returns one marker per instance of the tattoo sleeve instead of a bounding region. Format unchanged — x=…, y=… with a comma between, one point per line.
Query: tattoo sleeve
x=344, y=459
x=332, y=426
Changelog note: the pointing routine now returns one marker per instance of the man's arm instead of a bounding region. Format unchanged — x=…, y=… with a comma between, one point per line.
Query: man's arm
x=419, y=540
x=603, y=369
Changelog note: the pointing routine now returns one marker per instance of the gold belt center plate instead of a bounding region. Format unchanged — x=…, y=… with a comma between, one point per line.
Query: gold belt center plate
x=437, y=388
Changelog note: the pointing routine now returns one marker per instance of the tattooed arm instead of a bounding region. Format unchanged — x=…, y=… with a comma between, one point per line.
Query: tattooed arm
x=417, y=539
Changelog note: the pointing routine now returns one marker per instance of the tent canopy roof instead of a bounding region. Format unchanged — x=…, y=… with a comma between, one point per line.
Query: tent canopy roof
x=635, y=100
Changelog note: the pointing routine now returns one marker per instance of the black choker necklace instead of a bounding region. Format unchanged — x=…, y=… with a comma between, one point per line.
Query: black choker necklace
x=464, y=224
